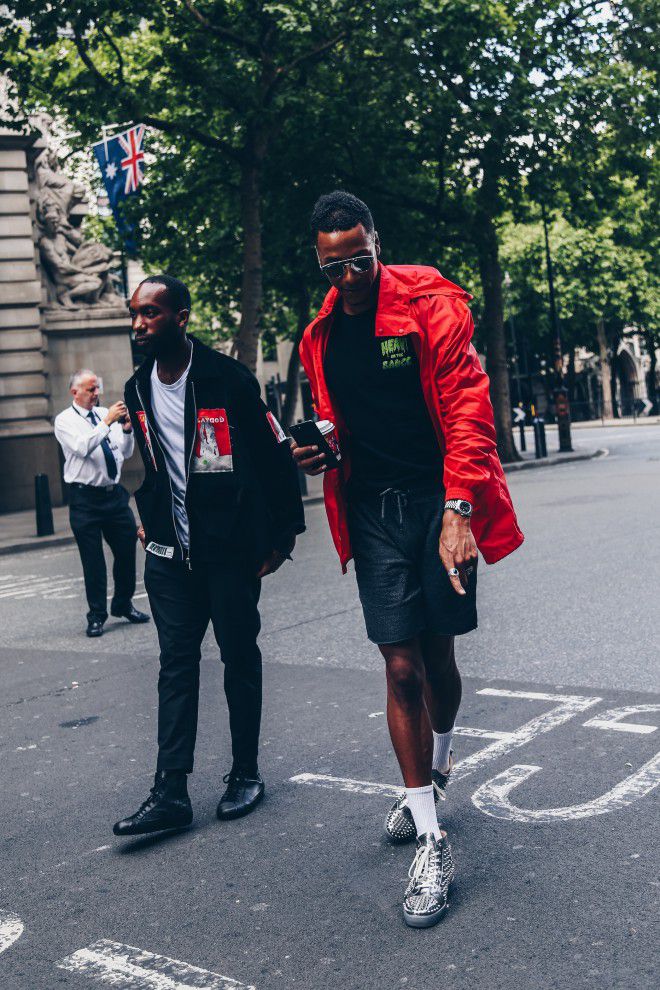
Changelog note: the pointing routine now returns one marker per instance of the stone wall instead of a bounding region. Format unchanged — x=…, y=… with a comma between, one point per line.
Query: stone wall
x=27, y=443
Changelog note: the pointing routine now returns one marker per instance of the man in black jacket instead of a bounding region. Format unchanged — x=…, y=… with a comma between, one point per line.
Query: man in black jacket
x=220, y=508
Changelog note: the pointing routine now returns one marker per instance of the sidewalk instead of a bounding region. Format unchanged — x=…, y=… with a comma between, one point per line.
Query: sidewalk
x=605, y=424
x=18, y=529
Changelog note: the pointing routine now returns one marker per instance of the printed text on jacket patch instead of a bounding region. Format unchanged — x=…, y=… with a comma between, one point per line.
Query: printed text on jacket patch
x=212, y=452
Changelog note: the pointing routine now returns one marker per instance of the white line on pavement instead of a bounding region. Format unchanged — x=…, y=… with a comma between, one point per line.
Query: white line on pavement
x=493, y=797
x=612, y=719
x=569, y=706
x=466, y=730
x=125, y=967
x=11, y=929
x=347, y=784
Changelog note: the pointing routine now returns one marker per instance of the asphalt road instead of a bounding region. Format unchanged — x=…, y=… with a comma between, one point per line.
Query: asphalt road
x=551, y=813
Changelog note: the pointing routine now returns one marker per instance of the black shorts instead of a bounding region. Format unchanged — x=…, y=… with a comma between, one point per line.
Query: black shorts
x=404, y=588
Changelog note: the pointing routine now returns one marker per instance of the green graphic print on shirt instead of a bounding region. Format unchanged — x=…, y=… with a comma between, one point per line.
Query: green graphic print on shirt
x=396, y=353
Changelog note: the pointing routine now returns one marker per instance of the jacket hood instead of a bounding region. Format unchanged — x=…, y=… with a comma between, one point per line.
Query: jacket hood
x=423, y=280
x=400, y=284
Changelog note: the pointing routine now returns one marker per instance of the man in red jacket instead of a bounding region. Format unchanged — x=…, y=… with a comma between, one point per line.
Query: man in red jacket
x=390, y=362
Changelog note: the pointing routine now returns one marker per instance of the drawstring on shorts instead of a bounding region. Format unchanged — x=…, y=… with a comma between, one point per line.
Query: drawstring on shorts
x=401, y=501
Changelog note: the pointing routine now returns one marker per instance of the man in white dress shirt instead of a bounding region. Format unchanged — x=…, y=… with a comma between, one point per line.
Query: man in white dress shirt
x=96, y=441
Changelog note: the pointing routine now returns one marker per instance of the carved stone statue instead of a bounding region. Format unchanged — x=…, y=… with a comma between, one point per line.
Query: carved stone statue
x=79, y=271
x=52, y=180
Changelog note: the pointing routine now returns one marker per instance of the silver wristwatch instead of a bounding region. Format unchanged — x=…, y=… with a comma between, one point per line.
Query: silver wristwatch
x=460, y=505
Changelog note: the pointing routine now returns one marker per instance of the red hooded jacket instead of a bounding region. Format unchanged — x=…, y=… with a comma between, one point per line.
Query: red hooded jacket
x=417, y=300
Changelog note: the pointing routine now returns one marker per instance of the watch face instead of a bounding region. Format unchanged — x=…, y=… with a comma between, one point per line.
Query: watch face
x=464, y=507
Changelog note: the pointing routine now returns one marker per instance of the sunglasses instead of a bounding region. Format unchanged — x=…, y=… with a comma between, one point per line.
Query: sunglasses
x=336, y=270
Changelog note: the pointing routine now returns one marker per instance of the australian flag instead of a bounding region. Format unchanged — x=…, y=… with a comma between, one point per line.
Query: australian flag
x=121, y=160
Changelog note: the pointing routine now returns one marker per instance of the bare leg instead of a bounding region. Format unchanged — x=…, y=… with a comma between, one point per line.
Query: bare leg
x=407, y=717
x=442, y=687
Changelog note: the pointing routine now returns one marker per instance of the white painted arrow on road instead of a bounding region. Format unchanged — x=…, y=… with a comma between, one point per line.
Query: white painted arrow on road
x=11, y=929
x=126, y=968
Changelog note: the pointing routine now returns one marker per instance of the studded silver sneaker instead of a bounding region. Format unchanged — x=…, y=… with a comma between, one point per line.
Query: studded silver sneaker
x=432, y=870
x=399, y=824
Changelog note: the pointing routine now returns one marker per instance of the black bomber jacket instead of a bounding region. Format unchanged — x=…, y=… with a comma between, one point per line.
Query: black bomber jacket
x=242, y=493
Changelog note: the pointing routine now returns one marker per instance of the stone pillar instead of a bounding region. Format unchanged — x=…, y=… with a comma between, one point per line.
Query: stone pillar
x=27, y=443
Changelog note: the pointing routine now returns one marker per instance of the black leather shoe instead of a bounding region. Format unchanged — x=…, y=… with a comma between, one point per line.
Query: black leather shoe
x=94, y=628
x=168, y=806
x=243, y=794
x=131, y=614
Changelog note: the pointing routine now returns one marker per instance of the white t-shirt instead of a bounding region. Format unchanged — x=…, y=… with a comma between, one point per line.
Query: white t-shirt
x=168, y=404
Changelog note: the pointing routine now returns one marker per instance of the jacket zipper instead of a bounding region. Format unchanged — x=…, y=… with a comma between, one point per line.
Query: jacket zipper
x=192, y=386
x=183, y=556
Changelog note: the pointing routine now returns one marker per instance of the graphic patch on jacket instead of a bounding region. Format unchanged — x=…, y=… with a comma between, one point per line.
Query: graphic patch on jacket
x=141, y=415
x=212, y=451
x=276, y=428
x=396, y=353
x=159, y=550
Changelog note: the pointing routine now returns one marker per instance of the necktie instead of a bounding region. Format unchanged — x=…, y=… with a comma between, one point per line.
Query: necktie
x=110, y=461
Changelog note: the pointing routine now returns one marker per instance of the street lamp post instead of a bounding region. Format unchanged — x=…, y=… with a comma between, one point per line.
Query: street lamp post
x=562, y=405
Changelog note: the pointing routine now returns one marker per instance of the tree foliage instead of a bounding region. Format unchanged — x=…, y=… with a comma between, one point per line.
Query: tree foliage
x=454, y=119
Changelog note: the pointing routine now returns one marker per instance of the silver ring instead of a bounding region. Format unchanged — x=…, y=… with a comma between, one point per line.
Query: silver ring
x=453, y=572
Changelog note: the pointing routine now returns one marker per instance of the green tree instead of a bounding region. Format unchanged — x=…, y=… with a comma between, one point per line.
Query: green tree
x=218, y=75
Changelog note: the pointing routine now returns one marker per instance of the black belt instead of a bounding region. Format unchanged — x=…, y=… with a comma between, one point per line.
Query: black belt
x=93, y=488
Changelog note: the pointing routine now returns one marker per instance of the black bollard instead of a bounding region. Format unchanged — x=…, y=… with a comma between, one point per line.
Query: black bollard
x=42, y=506
x=540, y=447
x=523, y=444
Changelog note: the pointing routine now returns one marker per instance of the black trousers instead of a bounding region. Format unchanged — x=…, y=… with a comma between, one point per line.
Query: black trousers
x=97, y=514
x=183, y=602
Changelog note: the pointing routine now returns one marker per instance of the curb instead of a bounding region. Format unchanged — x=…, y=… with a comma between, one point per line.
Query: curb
x=555, y=459
x=63, y=541
x=56, y=541
x=46, y=542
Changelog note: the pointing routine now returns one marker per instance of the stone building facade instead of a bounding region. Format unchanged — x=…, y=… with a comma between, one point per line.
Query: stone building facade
x=54, y=316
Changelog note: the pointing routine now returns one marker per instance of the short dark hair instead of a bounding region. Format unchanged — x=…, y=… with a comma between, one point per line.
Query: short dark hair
x=340, y=210
x=177, y=290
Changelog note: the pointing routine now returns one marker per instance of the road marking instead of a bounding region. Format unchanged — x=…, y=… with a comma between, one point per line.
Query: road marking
x=125, y=967
x=569, y=706
x=612, y=719
x=466, y=730
x=57, y=586
x=347, y=784
x=493, y=797
x=11, y=929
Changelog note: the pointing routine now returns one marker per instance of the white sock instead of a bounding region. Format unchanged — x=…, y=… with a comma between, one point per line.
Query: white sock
x=441, y=748
x=422, y=805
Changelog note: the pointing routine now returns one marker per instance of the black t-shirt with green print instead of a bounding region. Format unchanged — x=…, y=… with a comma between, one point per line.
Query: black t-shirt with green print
x=375, y=384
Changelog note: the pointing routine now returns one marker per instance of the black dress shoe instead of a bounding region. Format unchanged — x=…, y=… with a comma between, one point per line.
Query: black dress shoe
x=168, y=806
x=130, y=613
x=94, y=628
x=243, y=794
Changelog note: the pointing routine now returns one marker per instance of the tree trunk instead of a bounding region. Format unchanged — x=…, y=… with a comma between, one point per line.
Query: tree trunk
x=605, y=370
x=294, y=360
x=247, y=341
x=493, y=321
